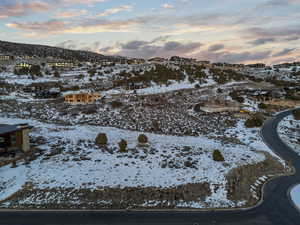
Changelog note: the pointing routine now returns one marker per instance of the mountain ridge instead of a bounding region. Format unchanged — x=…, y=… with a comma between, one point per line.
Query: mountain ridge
x=43, y=51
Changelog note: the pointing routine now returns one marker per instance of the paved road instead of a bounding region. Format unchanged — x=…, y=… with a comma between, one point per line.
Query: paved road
x=276, y=208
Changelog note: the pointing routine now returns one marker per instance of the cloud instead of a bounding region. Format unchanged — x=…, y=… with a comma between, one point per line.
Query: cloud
x=73, y=2
x=116, y=10
x=56, y=27
x=292, y=38
x=17, y=9
x=156, y=47
x=216, y=47
x=262, y=41
x=49, y=26
x=71, y=13
x=233, y=57
x=273, y=32
x=69, y=44
x=278, y=3
x=284, y=52
x=168, y=6
x=133, y=45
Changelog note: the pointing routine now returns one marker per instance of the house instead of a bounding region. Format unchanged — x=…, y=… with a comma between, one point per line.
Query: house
x=182, y=60
x=61, y=64
x=82, y=98
x=14, y=138
x=157, y=60
x=44, y=94
x=135, y=86
x=6, y=57
x=23, y=65
x=256, y=65
x=203, y=62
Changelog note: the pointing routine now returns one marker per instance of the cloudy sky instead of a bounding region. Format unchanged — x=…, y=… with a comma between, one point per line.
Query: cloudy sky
x=235, y=31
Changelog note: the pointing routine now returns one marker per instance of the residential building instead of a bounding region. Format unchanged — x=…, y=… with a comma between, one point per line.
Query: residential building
x=157, y=60
x=6, y=57
x=135, y=85
x=82, y=98
x=14, y=138
x=61, y=64
x=22, y=65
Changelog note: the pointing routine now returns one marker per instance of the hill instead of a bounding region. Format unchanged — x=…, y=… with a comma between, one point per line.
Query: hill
x=18, y=49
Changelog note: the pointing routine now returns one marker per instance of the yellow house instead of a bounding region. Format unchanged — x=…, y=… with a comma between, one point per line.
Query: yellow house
x=82, y=98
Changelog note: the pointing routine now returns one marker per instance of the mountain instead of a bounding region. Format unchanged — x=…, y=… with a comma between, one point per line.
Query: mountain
x=43, y=51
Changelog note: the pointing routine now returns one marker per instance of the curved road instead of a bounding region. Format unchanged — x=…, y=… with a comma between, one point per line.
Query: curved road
x=276, y=209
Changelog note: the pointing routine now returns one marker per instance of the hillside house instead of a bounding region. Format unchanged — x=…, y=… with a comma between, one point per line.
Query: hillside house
x=135, y=86
x=157, y=60
x=23, y=65
x=6, y=57
x=203, y=63
x=14, y=138
x=217, y=106
x=256, y=65
x=82, y=98
x=44, y=94
x=61, y=64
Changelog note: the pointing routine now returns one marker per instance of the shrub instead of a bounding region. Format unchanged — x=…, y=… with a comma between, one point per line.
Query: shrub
x=90, y=110
x=155, y=125
x=35, y=70
x=296, y=114
x=116, y=104
x=255, y=121
x=197, y=86
x=235, y=96
x=123, y=145
x=101, y=139
x=217, y=156
x=56, y=74
x=142, y=139
x=262, y=106
x=92, y=72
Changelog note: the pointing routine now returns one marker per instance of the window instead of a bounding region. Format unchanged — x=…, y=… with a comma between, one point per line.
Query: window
x=13, y=139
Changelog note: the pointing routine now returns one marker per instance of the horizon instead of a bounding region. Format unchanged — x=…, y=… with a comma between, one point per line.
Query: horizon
x=228, y=33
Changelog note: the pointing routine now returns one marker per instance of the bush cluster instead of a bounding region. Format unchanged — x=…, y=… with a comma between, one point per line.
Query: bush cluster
x=123, y=145
x=254, y=121
x=101, y=139
x=116, y=104
x=142, y=139
x=262, y=106
x=296, y=114
x=217, y=156
x=235, y=96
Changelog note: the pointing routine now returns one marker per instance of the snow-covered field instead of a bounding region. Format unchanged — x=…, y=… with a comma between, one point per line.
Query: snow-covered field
x=289, y=131
x=141, y=167
x=295, y=195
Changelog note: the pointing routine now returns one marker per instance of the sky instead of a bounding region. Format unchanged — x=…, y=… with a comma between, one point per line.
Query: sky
x=233, y=31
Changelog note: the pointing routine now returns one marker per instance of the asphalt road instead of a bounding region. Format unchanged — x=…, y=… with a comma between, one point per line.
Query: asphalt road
x=276, y=209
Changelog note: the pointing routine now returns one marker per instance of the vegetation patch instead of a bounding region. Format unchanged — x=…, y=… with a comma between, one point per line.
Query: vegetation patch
x=108, y=198
x=242, y=178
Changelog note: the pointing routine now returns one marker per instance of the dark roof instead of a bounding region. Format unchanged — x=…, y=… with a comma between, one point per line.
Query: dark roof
x=4, y=128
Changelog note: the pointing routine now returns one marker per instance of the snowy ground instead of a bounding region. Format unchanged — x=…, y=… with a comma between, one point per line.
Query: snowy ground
x=251, y=137
x=137, y=168
x=295, y=195
x=289, y=131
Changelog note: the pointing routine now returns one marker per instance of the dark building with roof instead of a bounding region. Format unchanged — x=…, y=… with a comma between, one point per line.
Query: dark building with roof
x=14, y=138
